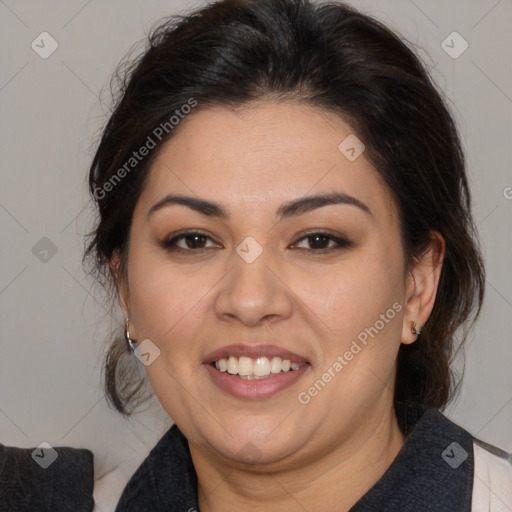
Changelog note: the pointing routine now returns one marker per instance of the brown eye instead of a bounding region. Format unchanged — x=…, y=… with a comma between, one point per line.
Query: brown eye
x=319, y=241
x=191, y=241
x=194, y=241
x=324, y=242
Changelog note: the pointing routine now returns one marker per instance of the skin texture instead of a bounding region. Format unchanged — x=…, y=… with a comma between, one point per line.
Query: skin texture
x=326, y=454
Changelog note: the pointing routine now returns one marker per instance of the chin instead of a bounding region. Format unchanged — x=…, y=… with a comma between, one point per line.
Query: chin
x=254, y=442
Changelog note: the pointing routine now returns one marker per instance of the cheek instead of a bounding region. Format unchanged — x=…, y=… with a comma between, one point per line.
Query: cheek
x=362, y=306
x=165, y=300
x=355, y=296
x=169, y=309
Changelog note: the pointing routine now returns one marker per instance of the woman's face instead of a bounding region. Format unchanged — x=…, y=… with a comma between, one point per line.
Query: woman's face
x=299, y=262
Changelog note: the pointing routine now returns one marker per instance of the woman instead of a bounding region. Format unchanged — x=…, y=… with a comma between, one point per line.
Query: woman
x=285, y=217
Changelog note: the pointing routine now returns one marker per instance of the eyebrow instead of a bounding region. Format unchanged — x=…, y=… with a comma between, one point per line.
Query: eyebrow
x=286, y=210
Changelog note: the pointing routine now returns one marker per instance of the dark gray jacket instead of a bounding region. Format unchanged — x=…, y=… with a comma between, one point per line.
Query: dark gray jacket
x=433, y=471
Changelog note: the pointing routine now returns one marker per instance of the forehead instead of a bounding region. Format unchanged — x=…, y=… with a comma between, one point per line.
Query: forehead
x=264, y=154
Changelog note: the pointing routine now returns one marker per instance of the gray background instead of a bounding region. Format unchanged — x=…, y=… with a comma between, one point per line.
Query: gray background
x=53, y=323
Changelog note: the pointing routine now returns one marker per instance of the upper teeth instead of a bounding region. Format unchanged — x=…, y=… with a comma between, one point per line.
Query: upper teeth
x=259, y=367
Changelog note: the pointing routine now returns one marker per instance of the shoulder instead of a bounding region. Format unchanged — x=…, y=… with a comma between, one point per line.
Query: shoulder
x=492, y=485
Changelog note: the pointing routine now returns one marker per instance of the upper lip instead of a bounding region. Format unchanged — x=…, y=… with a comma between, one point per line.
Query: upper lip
x=254, y=351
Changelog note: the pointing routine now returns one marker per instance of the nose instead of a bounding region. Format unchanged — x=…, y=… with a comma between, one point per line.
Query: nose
x=254, y=292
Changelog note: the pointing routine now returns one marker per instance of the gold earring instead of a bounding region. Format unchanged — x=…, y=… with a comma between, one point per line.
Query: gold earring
x=413, y=329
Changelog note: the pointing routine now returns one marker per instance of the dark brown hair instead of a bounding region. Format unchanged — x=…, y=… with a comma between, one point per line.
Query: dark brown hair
x=332, y=57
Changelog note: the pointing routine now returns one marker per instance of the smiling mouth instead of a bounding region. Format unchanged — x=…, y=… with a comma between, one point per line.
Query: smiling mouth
x=255, y=368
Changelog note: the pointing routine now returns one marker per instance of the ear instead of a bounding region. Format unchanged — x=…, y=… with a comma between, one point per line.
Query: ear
x=421, y=287
x=123, y=295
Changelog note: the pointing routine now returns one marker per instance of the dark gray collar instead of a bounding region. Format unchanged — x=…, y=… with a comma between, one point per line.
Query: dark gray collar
x=432, y=472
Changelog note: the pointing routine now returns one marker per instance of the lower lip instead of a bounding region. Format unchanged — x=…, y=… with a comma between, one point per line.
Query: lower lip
x=255, y=389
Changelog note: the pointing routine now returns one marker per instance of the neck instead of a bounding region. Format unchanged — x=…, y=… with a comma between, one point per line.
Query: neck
x=334, y=480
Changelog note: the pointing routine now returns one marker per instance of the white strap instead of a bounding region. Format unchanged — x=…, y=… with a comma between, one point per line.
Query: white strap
x=108, y=490
x=492, y=487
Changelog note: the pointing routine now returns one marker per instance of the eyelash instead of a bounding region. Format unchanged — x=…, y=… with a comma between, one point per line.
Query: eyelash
x=170, y=244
